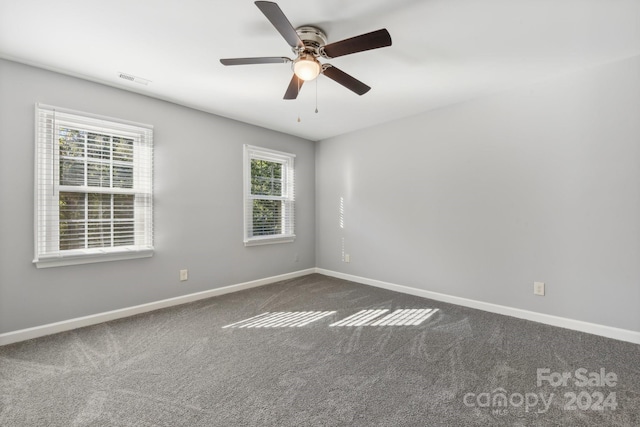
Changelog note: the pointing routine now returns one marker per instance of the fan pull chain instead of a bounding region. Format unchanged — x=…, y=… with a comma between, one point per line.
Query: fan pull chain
x=316, y=96
x=298, y=81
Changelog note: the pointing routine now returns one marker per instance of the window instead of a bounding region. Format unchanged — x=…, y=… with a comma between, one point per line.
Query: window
x=93, y=186
x=268, y=196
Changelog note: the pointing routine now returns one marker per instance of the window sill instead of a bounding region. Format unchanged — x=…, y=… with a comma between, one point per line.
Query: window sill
x=268, y=240
x=87, y=257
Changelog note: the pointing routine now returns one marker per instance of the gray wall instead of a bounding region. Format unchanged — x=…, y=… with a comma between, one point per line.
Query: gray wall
x=476, y=200
x=198, y=205
x=481, y=199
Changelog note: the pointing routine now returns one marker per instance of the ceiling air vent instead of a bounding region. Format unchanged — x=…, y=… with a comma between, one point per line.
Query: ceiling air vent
x=134, y=78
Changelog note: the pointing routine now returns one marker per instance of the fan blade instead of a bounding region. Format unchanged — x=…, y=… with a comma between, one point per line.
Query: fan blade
x=294, y=88
x=345, y=79
x=274, y=14
x=373, y=40
x=248, y=61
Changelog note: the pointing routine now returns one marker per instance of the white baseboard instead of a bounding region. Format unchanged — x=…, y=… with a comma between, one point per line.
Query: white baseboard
x=562, y=322
x=66, y=325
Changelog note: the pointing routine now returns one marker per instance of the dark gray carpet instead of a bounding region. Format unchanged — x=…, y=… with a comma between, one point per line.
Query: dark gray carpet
x=180, y=367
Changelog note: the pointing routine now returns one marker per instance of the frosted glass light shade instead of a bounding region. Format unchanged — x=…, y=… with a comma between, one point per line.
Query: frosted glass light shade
x=306, y=69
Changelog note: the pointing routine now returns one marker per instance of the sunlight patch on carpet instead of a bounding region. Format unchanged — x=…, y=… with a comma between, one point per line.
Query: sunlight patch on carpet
x=400, y=317
x=373, y=317
x=281, y=319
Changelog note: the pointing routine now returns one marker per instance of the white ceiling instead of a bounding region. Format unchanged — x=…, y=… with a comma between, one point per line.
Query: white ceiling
x=443, y=52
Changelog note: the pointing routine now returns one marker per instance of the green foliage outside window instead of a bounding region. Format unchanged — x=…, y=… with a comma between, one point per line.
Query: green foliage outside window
x=88, y=220
x=266, y=180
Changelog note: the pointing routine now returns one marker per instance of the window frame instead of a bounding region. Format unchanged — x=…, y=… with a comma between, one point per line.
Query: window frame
x=48, y=187
x=287, y=198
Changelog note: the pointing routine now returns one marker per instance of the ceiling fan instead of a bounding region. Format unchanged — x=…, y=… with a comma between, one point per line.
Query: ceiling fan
x=309, y=44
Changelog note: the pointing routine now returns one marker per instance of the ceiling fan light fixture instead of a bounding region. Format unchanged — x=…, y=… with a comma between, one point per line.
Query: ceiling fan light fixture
x=306, y=67
x=309, y=43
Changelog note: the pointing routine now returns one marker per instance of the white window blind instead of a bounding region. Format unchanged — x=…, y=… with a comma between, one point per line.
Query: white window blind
x=93, y=188
x=269, y=193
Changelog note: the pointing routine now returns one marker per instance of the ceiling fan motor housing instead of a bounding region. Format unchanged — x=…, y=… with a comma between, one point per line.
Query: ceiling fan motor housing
x=313, y=38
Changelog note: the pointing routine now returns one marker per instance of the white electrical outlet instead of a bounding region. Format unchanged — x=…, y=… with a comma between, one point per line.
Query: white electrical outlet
x=184, y=275
x=538, y=288
x=347, y=258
